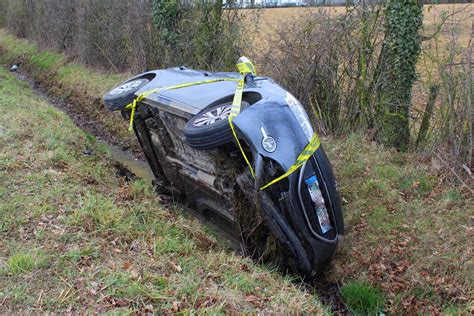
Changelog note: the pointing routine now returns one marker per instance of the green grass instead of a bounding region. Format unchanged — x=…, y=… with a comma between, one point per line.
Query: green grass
x=76, y=84
x=74, y=237
x=362, y=299
x=406, y=231
x=22, y=262
x=46, y=60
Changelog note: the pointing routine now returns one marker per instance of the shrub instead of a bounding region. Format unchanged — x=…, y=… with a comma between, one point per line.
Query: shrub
x=329, y=63
x=203, y=33
x=355, y=71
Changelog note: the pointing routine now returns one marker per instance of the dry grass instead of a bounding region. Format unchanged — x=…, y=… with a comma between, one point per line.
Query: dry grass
x=407, y=233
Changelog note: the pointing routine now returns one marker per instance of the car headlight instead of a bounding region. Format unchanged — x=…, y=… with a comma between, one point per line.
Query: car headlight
x=300, y=114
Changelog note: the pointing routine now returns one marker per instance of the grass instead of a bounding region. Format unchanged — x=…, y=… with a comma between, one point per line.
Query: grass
x=75, y=238
x=76, y=85
x=362, y=299
x=24, y=262
x=407, y=231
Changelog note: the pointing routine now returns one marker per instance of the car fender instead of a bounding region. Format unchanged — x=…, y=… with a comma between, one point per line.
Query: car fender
x=279, y=122
x=272, y=119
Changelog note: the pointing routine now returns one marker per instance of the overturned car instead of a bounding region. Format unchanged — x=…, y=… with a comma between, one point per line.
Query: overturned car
x=241, y=173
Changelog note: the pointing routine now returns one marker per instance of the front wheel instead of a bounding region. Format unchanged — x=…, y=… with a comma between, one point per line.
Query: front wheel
x=210, y=128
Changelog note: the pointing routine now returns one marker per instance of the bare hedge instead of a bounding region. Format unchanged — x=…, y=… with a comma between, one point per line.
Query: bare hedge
x=124, y=35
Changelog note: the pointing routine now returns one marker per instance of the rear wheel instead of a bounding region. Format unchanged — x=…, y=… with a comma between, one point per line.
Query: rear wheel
x=119, y=97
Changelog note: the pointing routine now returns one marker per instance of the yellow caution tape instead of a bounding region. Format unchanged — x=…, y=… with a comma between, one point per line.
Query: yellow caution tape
x=308, y=151
x=132, y=106
x=245, y=67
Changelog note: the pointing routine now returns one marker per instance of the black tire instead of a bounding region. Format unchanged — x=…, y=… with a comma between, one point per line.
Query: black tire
x=202, y=132
x=119, y=97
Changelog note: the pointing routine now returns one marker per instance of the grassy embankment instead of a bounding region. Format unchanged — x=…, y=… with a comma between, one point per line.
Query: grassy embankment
x=76, y=238
x=408, y=235
x=80, y=87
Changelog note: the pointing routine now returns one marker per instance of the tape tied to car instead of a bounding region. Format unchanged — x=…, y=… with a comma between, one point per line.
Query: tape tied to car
x=132, y=106
x=245, y=67
x=307, y=152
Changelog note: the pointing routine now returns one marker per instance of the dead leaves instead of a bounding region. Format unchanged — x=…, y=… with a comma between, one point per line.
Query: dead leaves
x=361, y=226
x=127, y=265
x=124, y=194
x=176, y=306
x=244, y=267
x=203, y=241
x=176, y=267
x=257, y=299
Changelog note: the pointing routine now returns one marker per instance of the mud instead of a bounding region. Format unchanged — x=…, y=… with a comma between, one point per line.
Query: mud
x=130, y=164
x=330, y=296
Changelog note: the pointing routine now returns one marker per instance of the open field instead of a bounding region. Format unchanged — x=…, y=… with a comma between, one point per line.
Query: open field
x=290, y=44
x=269, y=21
x=264, y=27
x=75, y=235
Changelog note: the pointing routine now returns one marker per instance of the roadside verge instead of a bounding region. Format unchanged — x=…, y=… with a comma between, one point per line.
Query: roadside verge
x=78, y=87
x=407, y=230
x=76, y=238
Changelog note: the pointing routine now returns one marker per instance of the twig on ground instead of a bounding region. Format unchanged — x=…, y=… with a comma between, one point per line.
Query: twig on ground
x=40, y=297
x=66, y=295
x=469, y=172
x=108, y=59
x=454, y=172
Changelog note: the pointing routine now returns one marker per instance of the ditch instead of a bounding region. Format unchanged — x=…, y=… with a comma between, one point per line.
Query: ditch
x=131, y=164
